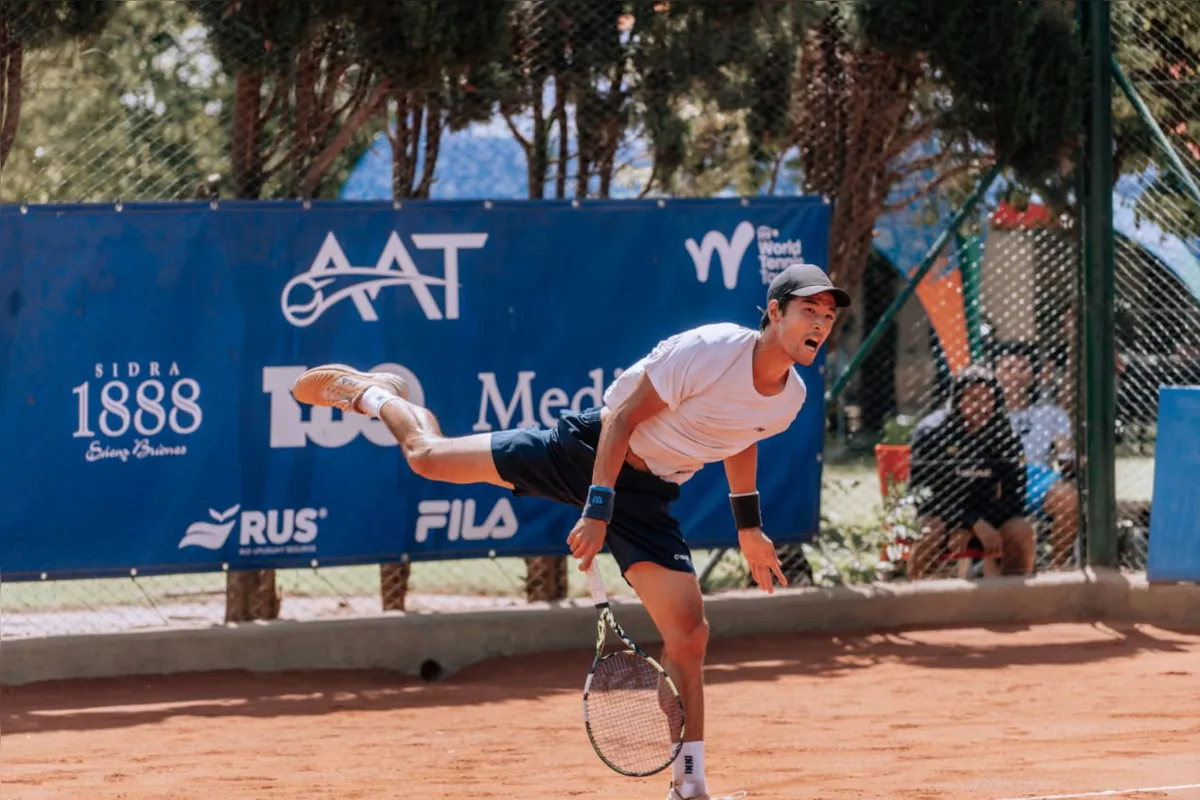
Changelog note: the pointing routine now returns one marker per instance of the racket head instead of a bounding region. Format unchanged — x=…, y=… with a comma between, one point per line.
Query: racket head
x=633, y=713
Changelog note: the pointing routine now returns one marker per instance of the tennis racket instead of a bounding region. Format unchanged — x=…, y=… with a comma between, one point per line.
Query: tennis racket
x=631, y=708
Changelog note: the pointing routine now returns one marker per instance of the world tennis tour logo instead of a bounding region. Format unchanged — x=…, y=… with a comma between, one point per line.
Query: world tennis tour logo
x=730, y=251
x=332, y=279
x=260, y=533
x=774, y=254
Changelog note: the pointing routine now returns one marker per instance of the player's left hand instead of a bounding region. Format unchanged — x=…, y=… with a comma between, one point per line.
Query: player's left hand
x=760, y=555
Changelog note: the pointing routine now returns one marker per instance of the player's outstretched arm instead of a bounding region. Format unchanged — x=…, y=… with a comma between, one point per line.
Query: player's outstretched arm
x=587, y=537
x=741, y=470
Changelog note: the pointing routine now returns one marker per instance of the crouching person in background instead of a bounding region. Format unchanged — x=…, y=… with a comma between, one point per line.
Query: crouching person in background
x=968, y=469
x=1046, y=432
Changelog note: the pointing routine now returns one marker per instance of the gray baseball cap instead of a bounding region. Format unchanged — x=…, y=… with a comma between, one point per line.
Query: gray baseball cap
x=805, y=280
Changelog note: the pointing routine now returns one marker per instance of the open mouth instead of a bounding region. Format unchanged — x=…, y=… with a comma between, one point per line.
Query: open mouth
x=811, y=344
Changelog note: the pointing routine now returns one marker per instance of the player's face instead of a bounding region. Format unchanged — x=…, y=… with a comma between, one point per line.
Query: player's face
x=805, y=326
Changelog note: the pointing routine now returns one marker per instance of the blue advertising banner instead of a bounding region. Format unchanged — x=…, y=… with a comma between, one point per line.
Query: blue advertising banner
x=149, y=351
x=1174, y=553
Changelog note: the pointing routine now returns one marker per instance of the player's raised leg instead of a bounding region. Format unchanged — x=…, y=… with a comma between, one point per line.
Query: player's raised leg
x=672, y=599
x=430, y=454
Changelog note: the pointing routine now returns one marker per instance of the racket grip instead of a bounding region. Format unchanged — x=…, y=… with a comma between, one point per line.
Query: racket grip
x=596, y=585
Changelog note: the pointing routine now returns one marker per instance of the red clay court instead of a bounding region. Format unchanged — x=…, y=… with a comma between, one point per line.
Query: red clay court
x=1066, y=710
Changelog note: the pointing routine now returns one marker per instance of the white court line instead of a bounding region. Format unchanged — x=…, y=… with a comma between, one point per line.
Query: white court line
x=1107, y=793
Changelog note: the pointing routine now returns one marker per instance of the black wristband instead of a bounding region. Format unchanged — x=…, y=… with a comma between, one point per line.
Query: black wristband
x=746, y=513
x=600, y=503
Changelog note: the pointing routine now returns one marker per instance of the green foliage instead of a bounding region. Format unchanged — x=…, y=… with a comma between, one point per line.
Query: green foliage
x=1157, y=44
x=848, y=552
x=1013, y=73
x=134, y=112
x=40, y=23
x=417, y=45
x=443, y=61
x=596, y=75
x=1168, y=203
x=715, y=84
x=28, y=25
x=898, y=429
x=262, y=35
x=722, y=89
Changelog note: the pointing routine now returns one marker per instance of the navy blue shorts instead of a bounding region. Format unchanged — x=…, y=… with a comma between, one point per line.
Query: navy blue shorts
x=556, y=464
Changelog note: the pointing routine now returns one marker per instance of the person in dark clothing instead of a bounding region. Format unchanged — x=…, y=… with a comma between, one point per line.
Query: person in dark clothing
x=968, y=471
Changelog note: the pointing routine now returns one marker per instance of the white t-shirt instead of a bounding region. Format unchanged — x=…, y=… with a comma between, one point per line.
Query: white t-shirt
x=705, y=376
x=1039, y=426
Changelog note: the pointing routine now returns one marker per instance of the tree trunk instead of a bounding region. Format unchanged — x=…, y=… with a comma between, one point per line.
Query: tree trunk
x=411, y=114
x=393, y=585
x=852, y=113
x=545, y=578
x=539, y=158
x=564, y=152
x=399, y=141
x=12, y=56
x=249, y=594
x=433, y=143
x=246, y=158
x=607, y=162
x=393, y=578
x=417, y=104
x=587, y=138
x=319, y=164
x=304, y=118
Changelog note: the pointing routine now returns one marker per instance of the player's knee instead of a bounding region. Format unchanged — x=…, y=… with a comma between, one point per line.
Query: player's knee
x=689, y=641
x=423, y=460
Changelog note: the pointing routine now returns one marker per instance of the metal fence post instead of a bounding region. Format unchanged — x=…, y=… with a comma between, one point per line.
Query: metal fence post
x=1099, y=279
x=970, y=259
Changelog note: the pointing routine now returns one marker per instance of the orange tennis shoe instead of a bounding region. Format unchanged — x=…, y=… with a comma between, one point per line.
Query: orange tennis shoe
x=342, y=387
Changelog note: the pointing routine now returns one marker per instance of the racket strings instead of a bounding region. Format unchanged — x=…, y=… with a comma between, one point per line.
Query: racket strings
x=633, y=716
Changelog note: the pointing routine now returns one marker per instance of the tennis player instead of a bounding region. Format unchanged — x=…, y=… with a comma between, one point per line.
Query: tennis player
x=704, y=395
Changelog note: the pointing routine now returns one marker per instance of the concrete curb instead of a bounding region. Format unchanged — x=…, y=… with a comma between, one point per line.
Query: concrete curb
x=1133, y=598
x=403, y=642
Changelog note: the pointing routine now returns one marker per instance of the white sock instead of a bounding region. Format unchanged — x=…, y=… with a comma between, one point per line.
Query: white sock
x=689, y=766
x=373, y=399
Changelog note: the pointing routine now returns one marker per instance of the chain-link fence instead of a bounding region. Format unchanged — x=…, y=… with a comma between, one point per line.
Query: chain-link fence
x=60, y=607
x=875, y=104
x=954, y=448
x=1156, y=210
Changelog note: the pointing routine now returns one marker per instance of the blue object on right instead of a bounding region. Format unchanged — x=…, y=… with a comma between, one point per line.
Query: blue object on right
x=1175, y=519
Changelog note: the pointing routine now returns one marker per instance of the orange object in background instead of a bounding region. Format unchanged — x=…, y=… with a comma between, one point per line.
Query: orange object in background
x=891, y=462
x=892, y=465
x=941, y=293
